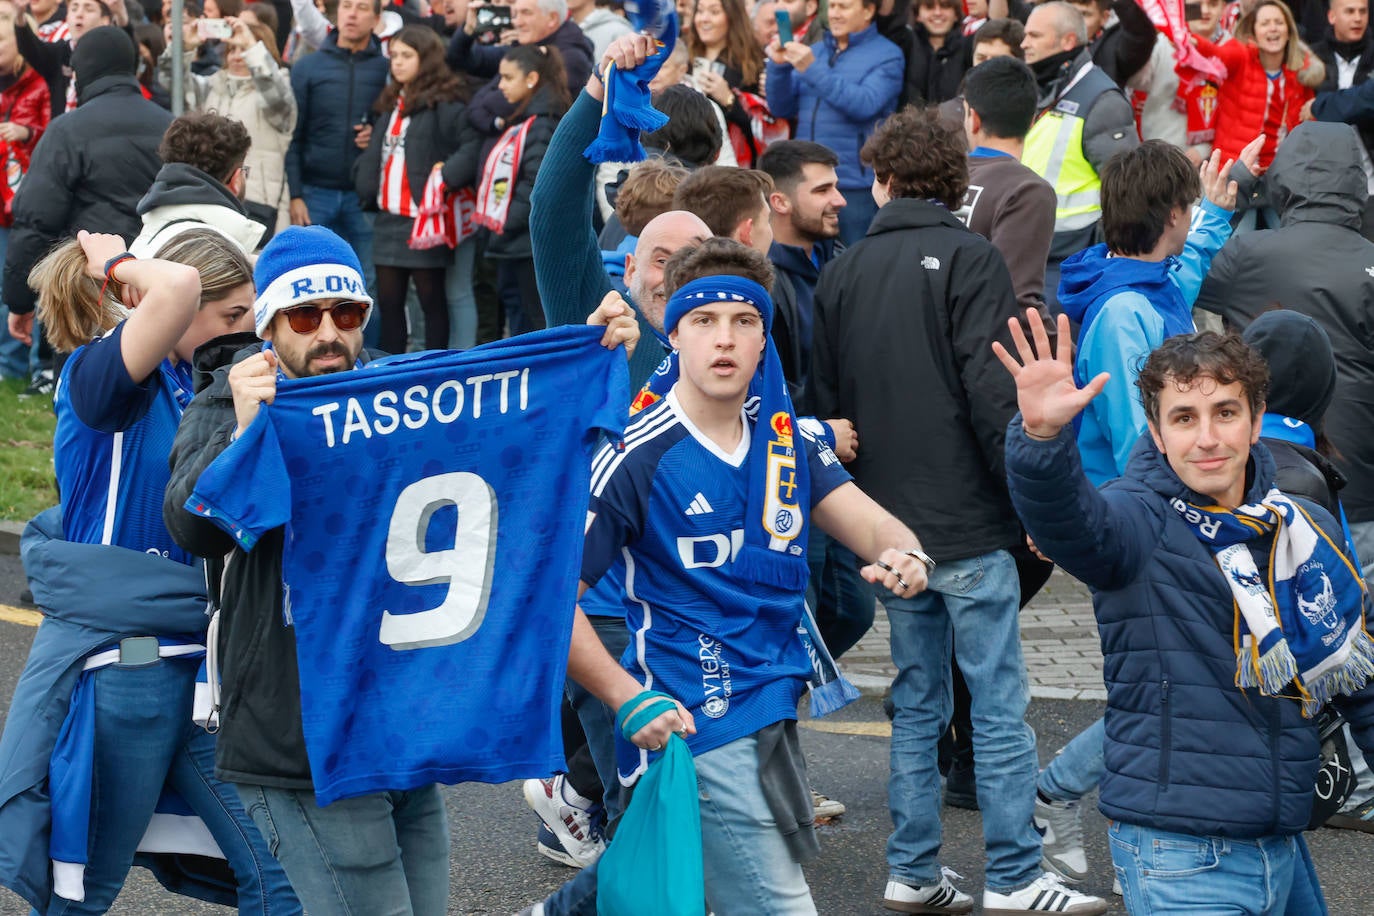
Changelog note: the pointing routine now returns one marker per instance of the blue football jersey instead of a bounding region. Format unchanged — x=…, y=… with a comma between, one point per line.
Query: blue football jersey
x=434, y=506
x=111, y=446
x=672, y=505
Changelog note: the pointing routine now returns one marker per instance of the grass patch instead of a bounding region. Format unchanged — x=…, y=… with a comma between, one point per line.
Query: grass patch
x=27, y=484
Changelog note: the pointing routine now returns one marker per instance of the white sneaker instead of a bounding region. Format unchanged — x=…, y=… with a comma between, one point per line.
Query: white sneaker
x=1061, y=829
x=1047, y=894
x=569, y=816
x=928, y=898
x=823, y=808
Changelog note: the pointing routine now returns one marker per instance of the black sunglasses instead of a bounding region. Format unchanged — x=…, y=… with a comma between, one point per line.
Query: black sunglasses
x=347, y=316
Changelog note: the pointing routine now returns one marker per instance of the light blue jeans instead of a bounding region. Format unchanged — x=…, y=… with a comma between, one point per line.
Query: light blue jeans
x=974, y=602
x=1164, y=872
x=1077, y=769
x=383, y=855
x=747, y=868
x=14, y=356
x=340, y=212
x=144, y=737
x=598, y=719
x=462, y=304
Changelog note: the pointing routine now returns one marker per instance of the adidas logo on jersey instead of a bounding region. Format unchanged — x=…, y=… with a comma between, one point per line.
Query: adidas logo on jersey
x=699, y=506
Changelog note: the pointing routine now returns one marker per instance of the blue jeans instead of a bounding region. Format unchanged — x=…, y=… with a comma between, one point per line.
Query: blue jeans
x=340, y=212
x=144, y=738
x=838, y=595
x=974, y=601
x=383, y=854
x=14, y=356
x=747, y=868
x=462, y=304
x=1164, y=872
x=856, y=214
x=598, y=719
x=1077, y=769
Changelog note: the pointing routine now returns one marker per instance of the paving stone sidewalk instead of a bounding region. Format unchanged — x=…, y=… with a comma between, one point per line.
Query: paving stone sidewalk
x=1058, y=638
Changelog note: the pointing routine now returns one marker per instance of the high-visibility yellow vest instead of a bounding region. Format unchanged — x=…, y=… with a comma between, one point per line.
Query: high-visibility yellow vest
x=1054, y=151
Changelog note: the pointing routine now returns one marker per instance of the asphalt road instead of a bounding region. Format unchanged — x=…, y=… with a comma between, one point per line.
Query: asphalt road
x=496, y=870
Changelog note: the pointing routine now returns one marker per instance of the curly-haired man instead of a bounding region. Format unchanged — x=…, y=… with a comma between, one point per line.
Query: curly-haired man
x=200, y=185
x=905, y=320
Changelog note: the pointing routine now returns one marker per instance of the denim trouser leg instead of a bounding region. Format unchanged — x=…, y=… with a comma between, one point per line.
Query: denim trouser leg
x=14, y=356
x=340, y=212
x=747, y=867
x=144, y=738
x=1165, y=872
x=837, y=594
x=1077, y=768
x=974, y=601
x=462, y=304
x=383, y=855
x=598, y=720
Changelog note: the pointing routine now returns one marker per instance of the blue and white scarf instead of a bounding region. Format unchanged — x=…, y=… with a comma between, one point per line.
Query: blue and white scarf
x=627, y=109
x=1305, y=626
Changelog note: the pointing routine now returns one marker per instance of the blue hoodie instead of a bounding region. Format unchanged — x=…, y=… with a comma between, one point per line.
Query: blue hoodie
x=1125, y=308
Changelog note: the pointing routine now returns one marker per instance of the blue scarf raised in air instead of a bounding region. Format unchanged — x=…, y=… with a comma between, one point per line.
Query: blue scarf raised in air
x=627, y=109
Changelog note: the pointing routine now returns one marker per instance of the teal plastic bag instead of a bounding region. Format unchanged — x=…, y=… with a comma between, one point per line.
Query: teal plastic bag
x=654, y=863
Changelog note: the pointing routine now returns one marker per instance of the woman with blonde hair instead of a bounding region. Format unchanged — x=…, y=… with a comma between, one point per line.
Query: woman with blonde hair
x=1270, y=76
x=101, y=725
x=254, y=88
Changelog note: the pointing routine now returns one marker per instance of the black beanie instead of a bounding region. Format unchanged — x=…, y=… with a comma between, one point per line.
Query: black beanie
x=1302, y=368
x=106, y=51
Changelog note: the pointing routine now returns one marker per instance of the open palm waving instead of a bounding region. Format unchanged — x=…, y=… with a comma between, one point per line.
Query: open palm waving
x=1045, y=390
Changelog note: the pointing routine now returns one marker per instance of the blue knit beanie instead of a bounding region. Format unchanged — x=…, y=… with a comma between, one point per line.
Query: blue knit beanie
x=303, y=264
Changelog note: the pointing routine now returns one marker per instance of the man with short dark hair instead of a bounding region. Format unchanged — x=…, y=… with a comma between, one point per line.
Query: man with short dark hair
x=1198, y=564
x=1347, y=50
x=998, y=38
x=914, y=307
x=733, y=202
x=200, y=185
x=1082, y=120
x=1007, y=203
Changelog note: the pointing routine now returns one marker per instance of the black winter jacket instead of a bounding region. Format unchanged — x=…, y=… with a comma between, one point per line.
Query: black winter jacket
x=260, y=741
x=438, y=134
x=1316, y=263
x=1124, y=48
x=1364, y=64
x=89, y=171
x=794, y=291
x=514, y=241
x=934, y=75
x=334, y=91
x=905, y=321
x=488, y=104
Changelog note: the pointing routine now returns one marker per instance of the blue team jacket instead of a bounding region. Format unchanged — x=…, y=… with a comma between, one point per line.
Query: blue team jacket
x=77, y=585
x=1186, y=750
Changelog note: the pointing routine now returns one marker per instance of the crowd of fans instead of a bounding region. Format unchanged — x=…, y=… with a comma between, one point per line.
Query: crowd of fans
x=991, y=159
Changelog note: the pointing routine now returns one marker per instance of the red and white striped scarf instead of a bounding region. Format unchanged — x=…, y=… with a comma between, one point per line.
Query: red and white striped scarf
x=499, y=175
x=54, y=30
x=394, y=194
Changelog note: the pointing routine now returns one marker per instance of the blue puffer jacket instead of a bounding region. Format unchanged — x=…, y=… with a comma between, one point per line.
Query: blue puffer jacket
x=1186, y=749
x=334, y=91
x=841, y=97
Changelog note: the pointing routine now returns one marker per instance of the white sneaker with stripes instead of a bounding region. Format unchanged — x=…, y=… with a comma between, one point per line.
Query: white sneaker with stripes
x=928, y=898
x=1047, y=894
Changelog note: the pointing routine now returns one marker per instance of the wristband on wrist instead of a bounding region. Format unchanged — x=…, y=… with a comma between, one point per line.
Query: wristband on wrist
x=110, y=266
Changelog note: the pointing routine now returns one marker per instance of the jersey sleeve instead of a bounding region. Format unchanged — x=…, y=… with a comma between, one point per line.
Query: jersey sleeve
x=824, y=465
x=102, y=395
x=615, y=514
x=246, y=490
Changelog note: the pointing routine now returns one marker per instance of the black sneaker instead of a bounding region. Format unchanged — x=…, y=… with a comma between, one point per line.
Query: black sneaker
x=42, y=385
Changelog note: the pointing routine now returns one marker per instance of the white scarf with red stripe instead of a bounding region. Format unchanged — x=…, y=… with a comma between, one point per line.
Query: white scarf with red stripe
x=499, y=175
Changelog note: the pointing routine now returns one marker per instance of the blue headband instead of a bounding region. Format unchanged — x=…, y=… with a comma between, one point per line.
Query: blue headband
x=705, y=290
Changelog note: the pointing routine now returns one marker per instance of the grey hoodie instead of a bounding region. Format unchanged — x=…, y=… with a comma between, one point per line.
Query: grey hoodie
x=1316, y=263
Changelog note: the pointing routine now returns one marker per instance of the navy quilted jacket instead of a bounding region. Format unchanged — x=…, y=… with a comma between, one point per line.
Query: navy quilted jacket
x=1186, y=750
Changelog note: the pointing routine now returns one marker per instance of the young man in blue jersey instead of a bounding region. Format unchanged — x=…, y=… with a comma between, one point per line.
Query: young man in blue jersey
x=708, y=505
x=384, y=852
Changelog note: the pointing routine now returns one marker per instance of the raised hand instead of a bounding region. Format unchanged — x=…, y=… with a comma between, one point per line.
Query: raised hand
x=1217, y=185
x=1045, y=390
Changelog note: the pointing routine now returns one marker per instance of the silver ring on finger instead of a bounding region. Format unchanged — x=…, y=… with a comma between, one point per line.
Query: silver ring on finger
x=902, y=583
